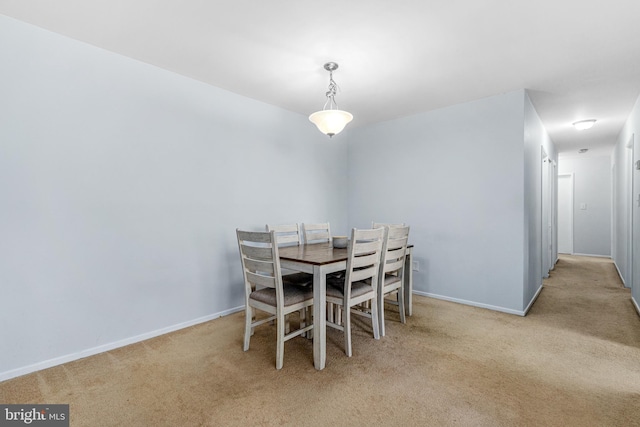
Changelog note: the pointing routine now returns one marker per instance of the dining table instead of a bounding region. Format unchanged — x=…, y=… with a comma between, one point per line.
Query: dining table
x=321, y=259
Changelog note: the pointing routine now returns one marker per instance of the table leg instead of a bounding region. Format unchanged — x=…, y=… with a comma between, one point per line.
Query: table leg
x=319, y=317
x=408, y=283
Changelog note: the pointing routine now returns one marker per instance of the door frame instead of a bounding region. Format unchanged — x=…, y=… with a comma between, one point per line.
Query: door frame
x=571, y=202
x=633, y=206
x=546, y=212
x=553, y=182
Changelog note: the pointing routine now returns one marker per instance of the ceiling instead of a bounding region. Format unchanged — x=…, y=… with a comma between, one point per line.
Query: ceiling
x=579, y=59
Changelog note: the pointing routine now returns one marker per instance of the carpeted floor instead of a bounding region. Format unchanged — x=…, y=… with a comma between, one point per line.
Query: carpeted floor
x=573, y=360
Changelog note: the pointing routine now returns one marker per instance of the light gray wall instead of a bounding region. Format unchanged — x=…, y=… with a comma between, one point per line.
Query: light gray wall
x=121, y=186
x=592, y=188
x=456, y=176
x=535, y=140
x=621, y=239
x=622, y=160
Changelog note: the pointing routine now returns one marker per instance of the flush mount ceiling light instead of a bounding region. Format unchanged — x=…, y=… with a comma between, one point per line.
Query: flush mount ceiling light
x=330, y=120
x=584, y=124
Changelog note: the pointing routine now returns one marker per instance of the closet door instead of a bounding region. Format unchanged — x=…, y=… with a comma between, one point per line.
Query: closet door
x=565, y=213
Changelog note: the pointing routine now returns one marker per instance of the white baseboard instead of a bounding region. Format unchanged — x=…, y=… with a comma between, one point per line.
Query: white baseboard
x=535, y=297
x=635, y=304
x=110, y=346
x=620, y=274
x=472, y=303
x=592, y=255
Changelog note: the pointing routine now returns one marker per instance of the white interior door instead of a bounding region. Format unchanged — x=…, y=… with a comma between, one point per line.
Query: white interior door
x=565, y=213
x=635, y=215
x=554, y=213
x=546, y=214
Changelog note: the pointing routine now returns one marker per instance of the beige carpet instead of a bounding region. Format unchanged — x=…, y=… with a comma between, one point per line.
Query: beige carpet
x=573, y=360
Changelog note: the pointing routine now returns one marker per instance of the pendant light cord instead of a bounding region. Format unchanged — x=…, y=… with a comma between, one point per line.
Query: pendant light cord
x=331, y=93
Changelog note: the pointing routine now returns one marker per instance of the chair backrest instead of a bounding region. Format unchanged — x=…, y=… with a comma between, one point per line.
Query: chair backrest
x=317, y=233
x=385, y=224
x=286, y=235
x=260, y=261
x=394, y=250
x=365, y=249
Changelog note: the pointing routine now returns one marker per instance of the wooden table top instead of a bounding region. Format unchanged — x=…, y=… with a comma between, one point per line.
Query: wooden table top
x=315, y=254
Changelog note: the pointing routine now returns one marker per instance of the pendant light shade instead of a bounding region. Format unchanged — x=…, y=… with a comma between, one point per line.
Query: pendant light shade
x=331, y=121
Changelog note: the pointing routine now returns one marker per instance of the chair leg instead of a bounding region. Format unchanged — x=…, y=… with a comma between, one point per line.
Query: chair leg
x=309, y=317
x=403, y=318
x=280, y=326
x=374, y=318
x=380, y=305
x=303, y=322
x=248, y=330
x=346, y=322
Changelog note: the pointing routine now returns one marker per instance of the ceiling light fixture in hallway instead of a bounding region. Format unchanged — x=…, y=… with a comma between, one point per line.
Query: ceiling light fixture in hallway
x=584, y=124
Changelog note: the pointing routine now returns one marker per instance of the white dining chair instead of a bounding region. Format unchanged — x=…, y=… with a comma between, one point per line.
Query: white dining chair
x=386, y=224
x=265, y=291
x=391, y=275
x=316, y=233
x=289, y=235
x=360, y=283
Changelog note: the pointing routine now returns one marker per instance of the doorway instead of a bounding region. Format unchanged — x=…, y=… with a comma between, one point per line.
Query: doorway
x=565, y=213
x=547, y=209
x=634, y=223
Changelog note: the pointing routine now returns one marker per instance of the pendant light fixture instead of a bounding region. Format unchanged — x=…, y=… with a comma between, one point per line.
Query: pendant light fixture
x=330, y=120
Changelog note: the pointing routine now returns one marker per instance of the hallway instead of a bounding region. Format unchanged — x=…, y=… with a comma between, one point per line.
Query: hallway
x=585, y=318
x=586, y=294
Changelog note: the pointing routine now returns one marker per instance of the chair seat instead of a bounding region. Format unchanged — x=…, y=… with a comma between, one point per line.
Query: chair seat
x=292, y=295
x=388, y=279
x=336, y=289
x=299, y=279
x=391, y=278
